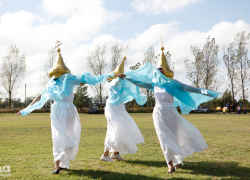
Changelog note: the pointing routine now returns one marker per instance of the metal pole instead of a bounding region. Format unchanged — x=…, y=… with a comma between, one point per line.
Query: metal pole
x=25, y=95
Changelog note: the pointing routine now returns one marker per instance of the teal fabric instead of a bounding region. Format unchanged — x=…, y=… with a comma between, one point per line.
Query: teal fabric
x=58, y=88
x=186, y=97
x=123, y=91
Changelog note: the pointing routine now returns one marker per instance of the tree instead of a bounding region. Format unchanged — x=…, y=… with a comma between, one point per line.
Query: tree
x=135, y=66
x=223, y=100
x=150, y=56
x=203, y=71
x=116, y=55
x=230, y=62
x=240, y=41
x=210, y=64
x=81, y=99
x=97, y=63
x=51, y=58
x=194, y=69
x=13, y=70
x=227, y=97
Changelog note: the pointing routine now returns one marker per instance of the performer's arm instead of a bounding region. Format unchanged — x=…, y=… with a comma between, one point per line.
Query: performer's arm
x=198, y=90
x=87, y=78
x=38, y=98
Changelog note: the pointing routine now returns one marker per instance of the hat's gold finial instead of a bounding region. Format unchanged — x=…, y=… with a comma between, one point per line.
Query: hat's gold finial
x=58, y=43
x=162, y=48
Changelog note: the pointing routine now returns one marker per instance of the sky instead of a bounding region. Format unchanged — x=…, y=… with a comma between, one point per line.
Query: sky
x=34, y=27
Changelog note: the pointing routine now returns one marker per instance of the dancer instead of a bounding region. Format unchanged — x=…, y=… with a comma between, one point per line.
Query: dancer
x=122, y=135
x=178, y=137
x=65, y=123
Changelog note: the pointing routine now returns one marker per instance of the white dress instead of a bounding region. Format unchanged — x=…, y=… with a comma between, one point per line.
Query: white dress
x=123, y=134
x=178, y=137
x=66, y=130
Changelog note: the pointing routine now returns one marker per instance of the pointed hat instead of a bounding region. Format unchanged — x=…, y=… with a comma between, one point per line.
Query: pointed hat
x=119, y=69
x=164, y=64
x=59, y=67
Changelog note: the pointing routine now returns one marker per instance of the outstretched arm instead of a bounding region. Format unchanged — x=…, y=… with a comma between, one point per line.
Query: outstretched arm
x=38, y=98
x=87, y=78
x=205, y=92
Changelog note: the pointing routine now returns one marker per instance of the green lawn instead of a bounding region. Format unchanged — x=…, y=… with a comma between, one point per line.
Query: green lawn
x=26, y=146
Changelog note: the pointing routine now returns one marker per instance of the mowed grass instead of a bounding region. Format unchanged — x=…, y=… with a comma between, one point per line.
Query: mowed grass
x=26, y=146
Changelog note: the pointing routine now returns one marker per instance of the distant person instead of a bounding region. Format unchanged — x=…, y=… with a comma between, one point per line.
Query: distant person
x=230, y=108
x=245, y=110
x=239, y=112
x=233, y=107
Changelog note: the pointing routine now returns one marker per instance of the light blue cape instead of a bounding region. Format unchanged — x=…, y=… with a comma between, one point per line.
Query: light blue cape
x=123, y=91
x=58, y=88
x=186, y=97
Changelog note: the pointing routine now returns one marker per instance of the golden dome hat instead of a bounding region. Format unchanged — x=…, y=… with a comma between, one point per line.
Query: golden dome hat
x=59, y=67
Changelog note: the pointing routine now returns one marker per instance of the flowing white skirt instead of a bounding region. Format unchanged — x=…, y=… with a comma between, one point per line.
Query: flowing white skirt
x=66, y=132
x=178, y=137
x=122, y=132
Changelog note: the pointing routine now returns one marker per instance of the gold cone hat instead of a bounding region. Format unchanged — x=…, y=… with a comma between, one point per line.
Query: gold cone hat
x=118, y=70
x=164, y=64
x=59, y=67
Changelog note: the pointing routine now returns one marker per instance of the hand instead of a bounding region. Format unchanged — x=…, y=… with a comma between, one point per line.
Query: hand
x=19, y=113
x=121, y=76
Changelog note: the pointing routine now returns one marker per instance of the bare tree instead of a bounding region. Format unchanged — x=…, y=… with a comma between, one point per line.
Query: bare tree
x=194, y=69
x=240, y=41
x=13, y=70
x=97, y=62
x=210, y=64
x=150, y=56
x=51, y=58
x=230, y=62
x=203, y=71
x=116, y=55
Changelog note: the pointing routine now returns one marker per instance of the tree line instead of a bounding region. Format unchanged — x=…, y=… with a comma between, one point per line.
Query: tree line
x=204, y=70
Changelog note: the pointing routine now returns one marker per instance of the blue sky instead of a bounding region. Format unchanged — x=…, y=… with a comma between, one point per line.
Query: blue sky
x=34, y=26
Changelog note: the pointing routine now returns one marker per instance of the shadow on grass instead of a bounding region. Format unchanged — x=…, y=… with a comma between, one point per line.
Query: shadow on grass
x=221, y=169
x=106, y=175
x=149, y=163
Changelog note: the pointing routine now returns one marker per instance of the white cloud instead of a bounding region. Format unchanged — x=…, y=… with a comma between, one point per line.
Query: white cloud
x=160, y=6
x=179, y=43
x=83, y=22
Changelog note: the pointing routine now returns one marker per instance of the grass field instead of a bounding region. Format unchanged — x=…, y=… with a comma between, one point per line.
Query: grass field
x=26, y=146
